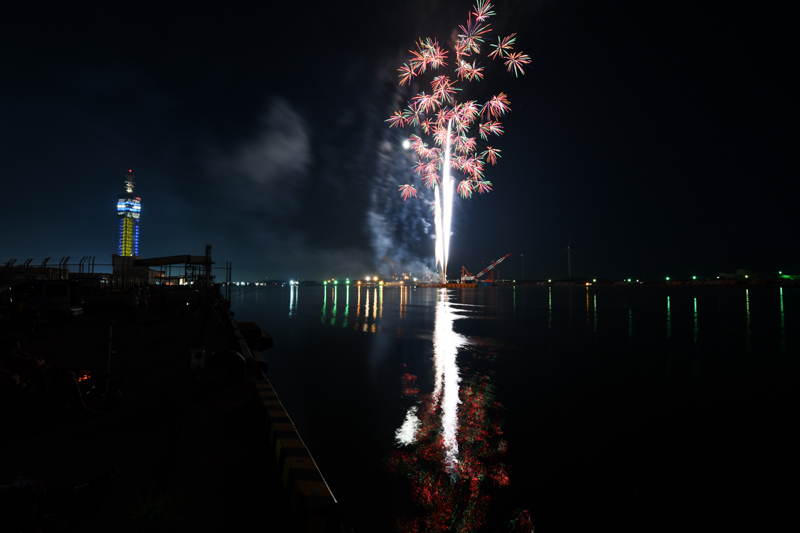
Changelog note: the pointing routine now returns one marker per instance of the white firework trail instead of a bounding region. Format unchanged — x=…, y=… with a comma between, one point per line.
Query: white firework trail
x=444, y=211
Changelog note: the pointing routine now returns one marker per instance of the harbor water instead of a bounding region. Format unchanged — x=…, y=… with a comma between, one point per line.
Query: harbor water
x=642, y=408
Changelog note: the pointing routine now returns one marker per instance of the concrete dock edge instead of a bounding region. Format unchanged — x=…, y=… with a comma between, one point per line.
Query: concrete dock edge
x=307, y=491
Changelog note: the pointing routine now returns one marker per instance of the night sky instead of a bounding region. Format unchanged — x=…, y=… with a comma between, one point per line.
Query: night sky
x=658, y=138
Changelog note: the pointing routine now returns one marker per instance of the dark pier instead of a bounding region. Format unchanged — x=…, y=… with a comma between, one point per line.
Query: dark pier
x=173, y=447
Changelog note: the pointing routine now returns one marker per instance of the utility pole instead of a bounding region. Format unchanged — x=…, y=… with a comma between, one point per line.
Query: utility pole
x=569, y=257
x=569, y=263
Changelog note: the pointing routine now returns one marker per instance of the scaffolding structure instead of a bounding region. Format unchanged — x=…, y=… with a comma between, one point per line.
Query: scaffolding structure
x=187, y=270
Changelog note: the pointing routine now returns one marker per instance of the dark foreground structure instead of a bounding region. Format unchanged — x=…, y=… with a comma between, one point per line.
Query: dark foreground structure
x=189, y=435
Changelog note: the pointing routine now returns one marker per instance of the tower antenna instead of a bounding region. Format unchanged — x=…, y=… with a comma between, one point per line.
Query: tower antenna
x=130, y=181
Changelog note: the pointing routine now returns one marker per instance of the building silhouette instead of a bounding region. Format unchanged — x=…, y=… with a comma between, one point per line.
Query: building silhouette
x=129, y=209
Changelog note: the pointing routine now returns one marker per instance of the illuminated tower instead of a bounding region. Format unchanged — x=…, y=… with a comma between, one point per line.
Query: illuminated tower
x=128, y=210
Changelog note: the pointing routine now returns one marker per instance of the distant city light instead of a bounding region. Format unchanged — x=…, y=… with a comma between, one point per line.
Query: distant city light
x=694, y=277
x=667, y=278
x=406, y=144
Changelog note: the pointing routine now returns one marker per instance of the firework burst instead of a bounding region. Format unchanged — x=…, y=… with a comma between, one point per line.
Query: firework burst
x=407, y=190
x=451, y=126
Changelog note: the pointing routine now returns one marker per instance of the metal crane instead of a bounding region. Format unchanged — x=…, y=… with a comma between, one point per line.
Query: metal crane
x=466, y=277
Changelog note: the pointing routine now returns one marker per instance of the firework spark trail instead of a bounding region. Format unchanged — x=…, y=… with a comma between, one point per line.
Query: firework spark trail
x=448, y=123
x=437, y=221
x=447, y=208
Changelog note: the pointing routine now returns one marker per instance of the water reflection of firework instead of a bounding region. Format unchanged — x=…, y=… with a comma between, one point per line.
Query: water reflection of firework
x=446, y=343
x=452, y=495
x=450, y=446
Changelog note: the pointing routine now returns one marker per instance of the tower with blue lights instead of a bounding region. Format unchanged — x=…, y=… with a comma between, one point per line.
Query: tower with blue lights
x=129, y=209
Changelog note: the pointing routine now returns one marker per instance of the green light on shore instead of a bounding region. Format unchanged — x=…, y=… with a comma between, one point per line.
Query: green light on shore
x=348, y=281
x=324, y=282
x=335, y=282
x=694, y=277
x=667, y=278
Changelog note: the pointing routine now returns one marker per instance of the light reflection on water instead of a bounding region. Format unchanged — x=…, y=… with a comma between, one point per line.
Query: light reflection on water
x=324, y=304
x=335, y=295
x=368, y=314
x=741, y=331
x=749, y=333
x=669, y=317
x=367, y=317
x=588, y=314
x=293, y=290
x=630, y=321
x=783, y=326
x=446, y=343
x=369, y=310
x=449, y=444
x=340, y=308
x=346, y=307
